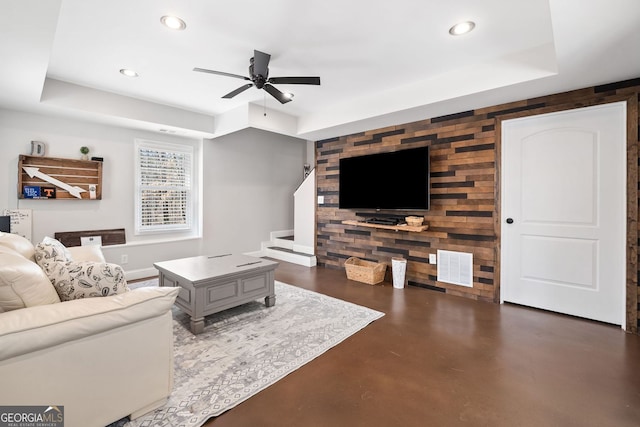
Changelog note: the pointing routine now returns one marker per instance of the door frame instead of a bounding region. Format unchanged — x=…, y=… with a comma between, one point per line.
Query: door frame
x=630, y=323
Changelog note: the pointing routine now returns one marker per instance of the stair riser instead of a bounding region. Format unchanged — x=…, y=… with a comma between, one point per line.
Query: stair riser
x=283, y=243
x=306, y=261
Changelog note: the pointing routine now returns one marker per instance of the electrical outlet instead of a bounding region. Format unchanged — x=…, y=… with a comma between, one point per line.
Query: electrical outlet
x=321, y=200
x=124, y=259
x=433, y=259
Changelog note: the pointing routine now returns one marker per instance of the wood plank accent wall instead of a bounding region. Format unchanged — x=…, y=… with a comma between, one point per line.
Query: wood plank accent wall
x=465, y=203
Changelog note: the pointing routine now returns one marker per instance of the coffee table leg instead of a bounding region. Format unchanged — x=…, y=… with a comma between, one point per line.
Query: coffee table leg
x=270, y=300
x=197, y=325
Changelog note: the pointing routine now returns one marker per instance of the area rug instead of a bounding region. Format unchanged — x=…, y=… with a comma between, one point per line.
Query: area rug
x=246, y=349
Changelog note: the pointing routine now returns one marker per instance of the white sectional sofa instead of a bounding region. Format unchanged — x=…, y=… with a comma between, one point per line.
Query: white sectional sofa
x=102, y=358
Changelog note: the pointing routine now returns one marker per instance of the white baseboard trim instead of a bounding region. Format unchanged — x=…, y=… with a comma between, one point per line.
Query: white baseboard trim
x=142, y=273
x=303, y=249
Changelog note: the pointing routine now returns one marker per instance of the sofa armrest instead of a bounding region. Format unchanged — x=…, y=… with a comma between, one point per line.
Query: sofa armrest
x=36, y=328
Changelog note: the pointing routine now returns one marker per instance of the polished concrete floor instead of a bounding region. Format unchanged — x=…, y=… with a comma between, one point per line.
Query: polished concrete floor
x=438, y=360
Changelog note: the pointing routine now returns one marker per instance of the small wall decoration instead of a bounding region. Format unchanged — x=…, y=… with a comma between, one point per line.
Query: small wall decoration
x=37, y=148
x=85, y=153
x=31, y=192
x=48, y=192
x=36, y=192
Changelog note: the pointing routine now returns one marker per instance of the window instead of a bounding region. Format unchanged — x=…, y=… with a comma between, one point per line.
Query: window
x=164, y=193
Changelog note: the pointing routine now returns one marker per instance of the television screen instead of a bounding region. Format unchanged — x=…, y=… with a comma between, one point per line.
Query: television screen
x=394, y=180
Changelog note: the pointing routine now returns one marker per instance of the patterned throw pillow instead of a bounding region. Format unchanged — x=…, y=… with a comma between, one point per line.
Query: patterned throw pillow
x=74, y=280
x=51, y=250
x=86, y=279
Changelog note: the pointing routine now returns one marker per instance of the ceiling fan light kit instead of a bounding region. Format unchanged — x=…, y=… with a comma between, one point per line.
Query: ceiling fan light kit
x=259, y=77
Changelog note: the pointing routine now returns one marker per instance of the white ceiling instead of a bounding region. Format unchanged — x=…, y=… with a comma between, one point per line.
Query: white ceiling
x=380, y=62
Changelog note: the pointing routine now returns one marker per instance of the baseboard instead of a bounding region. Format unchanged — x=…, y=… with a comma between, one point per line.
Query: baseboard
x=142, y=273
x=303, y=249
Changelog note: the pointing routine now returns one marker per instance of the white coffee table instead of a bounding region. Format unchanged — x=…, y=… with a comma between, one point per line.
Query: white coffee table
x=210, y=284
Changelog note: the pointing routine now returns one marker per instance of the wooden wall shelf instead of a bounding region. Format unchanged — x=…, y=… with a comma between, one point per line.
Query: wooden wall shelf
x=388, y=227
x=53, y=178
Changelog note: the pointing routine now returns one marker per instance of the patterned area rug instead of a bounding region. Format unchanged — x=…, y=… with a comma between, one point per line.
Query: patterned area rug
x=245, y=349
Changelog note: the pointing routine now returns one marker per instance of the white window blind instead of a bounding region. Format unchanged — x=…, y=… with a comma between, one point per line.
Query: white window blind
x=164, y=199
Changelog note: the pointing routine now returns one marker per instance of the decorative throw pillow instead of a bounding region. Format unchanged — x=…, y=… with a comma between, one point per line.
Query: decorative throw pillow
x=86, y=279
x=51, y=250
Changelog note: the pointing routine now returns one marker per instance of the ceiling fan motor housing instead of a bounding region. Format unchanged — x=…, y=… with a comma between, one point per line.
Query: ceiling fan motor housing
x=258, y=79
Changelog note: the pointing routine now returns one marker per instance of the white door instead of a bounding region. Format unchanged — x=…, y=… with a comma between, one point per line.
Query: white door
x=563, y=212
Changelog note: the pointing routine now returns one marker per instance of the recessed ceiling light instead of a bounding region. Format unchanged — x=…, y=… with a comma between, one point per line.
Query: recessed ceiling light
x=129, y=73
x=173, y=22
x=462, y=28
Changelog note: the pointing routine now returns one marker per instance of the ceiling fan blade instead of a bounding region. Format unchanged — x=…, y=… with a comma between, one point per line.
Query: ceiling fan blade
x=237, y=91
x=277, y=94
x=221, y=73
x=261, y=63
x=295, y=80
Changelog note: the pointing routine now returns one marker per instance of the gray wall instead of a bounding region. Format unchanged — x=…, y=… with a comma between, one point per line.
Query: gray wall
x=249, y=180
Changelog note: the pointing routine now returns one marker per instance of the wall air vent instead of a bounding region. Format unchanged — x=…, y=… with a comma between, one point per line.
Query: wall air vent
x=455, y=268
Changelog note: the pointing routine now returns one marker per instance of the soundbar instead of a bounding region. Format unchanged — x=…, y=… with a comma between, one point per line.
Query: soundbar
x=383, y=221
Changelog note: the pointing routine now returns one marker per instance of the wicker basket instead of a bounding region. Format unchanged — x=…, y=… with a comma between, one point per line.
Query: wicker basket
x=365, y=271
x=414, y=221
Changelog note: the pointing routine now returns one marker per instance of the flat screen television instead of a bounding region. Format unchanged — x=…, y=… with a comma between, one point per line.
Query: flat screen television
x=397, y=180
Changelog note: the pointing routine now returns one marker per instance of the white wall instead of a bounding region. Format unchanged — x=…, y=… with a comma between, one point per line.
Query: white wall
x=249, y=180
x=305, y=216
x=64, y=138
x=311, y=154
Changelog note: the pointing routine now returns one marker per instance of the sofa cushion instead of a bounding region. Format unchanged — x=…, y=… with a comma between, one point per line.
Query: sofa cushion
x=23, y=283
x=86, y=279
x=18, y=244
x=42, y=327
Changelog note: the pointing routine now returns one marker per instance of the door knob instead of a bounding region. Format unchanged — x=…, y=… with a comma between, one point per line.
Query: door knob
x=509, y=220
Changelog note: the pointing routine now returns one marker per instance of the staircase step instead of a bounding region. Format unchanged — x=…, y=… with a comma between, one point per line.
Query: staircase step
x=289, y=251
x=285, y=242
x=289, y=255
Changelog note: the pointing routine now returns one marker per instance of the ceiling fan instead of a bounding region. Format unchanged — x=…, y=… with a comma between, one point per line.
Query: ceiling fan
x=259, y=77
